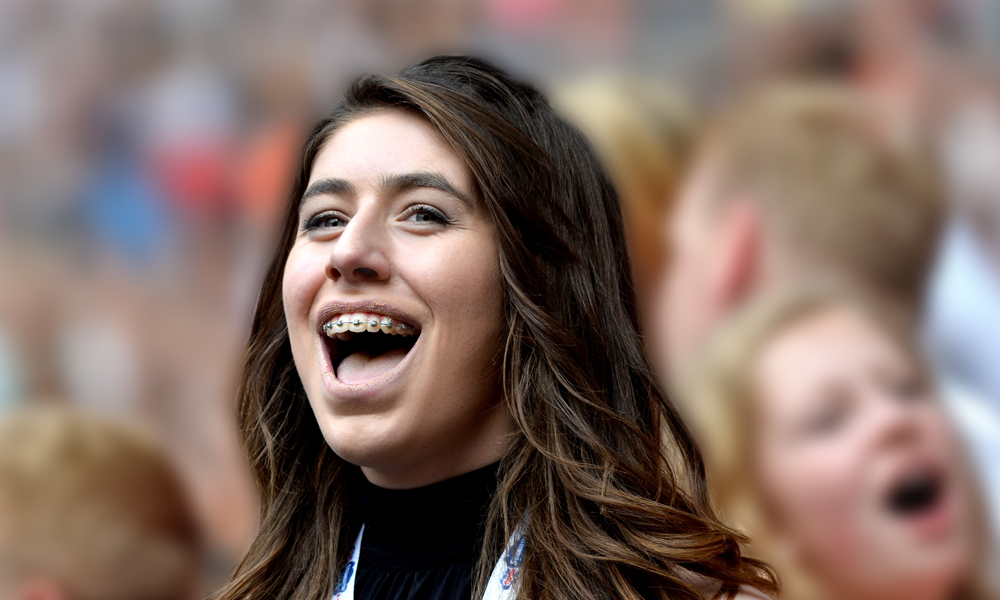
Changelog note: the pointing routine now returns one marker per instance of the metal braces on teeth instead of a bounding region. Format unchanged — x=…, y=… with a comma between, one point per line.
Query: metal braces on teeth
x=359, y=323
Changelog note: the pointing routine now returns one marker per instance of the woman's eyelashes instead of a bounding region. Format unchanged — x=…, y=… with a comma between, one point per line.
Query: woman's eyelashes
x=324, y=220
x=422, y=213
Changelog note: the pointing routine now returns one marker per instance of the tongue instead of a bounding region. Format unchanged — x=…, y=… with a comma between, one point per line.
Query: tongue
x=360, y=367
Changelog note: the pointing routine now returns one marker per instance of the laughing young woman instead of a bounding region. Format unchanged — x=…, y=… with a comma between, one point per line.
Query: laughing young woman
x=445, y=394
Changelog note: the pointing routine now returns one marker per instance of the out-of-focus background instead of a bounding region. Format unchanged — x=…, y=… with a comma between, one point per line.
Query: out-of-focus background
x=146, y=148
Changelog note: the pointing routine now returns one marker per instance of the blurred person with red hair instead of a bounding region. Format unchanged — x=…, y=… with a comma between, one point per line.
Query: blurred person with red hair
x=90, y=510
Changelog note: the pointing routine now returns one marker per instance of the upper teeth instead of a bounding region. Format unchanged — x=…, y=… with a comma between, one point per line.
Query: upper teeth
x=359, y=322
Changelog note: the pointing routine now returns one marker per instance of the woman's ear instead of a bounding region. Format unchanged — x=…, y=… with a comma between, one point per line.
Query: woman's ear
x=737, y=270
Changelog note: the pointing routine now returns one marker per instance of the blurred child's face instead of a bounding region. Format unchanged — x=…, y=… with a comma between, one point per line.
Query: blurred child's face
x=857, y=462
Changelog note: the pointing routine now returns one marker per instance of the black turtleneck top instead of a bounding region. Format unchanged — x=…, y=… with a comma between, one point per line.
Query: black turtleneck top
x=423, y=543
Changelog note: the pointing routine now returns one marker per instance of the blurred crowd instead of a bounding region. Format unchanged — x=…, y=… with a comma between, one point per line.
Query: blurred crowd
x=811, y=191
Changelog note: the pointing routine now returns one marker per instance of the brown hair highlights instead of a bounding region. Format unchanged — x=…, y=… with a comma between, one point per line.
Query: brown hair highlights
x=834, y=190
x=606, y=514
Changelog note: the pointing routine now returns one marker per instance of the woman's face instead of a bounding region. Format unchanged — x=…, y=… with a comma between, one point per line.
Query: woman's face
x=857, y=463
x=394, y=304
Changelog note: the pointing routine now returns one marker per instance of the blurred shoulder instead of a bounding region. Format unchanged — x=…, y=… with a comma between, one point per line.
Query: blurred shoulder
x=710, y=587
x=751, y=594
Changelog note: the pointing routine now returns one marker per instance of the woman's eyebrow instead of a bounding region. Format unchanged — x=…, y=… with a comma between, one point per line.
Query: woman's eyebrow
x=407, y=181
x=328, y=186
x=392, y=184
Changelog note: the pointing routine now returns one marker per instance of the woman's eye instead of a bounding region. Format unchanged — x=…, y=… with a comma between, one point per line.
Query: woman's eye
x=909, y=387
x=426, y=214
x=325, y=221
x=826, y=422
x=829, y=419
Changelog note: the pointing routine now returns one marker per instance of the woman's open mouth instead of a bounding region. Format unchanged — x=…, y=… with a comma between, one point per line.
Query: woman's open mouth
x=365, y=346
x=915, y=494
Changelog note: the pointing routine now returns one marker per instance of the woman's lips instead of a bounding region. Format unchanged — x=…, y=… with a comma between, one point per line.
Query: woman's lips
x=364, y=378
x=923, y=501
x=936, y=521
x=331, y=311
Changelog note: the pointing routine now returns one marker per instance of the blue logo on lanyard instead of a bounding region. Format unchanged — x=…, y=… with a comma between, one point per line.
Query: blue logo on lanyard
x=512, y=562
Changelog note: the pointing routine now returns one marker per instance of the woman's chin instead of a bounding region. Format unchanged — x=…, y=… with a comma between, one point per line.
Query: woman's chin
x=361, y=440
x=379, y=448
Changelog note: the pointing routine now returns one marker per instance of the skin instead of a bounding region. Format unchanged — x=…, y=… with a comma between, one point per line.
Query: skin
x=842, y=412
x=716, y=260
x=33, y=589
x=428, y=252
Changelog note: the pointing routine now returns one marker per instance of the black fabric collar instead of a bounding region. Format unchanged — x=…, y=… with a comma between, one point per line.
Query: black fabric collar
x=429, y=527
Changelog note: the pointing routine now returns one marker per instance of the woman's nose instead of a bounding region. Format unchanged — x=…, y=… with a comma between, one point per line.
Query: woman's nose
x=896, y=422
x=359, y=254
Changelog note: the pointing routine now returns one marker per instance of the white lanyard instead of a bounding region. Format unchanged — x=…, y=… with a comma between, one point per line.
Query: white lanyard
x=500, y=586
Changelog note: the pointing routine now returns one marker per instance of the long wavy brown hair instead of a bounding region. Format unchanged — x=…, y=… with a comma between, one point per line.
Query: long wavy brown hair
x=602, y=474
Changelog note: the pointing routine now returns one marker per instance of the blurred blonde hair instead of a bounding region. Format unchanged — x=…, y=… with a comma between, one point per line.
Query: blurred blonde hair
x=643, y=133
x=717, y=398
x=833, y=190
x=93, y=508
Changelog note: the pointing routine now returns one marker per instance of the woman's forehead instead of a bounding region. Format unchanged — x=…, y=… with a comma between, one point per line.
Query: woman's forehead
x=389, y=142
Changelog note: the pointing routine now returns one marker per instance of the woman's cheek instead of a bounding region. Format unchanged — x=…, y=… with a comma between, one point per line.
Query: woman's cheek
x=941, y=434
x=304, y=275
x=456, y=277
x=823, y=499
